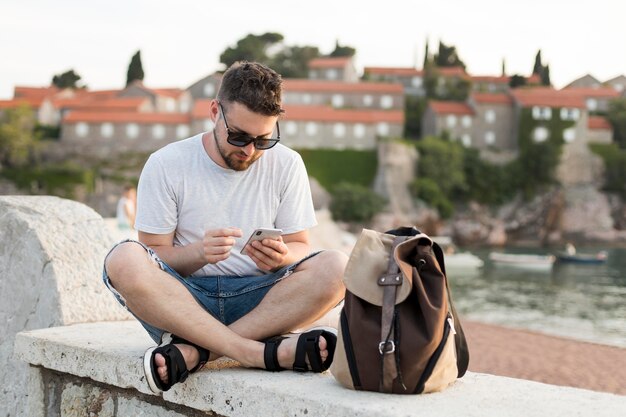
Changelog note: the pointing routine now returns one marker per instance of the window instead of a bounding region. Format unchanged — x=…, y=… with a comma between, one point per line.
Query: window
x=540, y=134
x=182, y=131
x=386, y=102
x=170, y=105
x=310, y=128
x=82, y=129
x=466, y=121
x=158, y=131
x=291, y=128
x=570, y=114
x=382, y=129
x=339, y=130
x=368, y=100
x=569, y=134
x=451, y=120
x=542, y=113
x=209, y=89
x=359, y=130
x=490, y=138
x=106, y=130
x=337, y=100
x=592, y=104
x=416, y=82
x=332, y=74
x=306, y=99
x=490, y=116
x=466, y=140
x=132, y=130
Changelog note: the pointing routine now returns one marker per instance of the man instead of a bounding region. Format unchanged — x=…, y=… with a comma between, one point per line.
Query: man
x=188, y=280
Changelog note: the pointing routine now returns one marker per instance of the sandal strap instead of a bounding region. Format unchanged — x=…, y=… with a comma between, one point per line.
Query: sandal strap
x=175, y=363
x=270, y=354
x=308, y=348
x=202, y=352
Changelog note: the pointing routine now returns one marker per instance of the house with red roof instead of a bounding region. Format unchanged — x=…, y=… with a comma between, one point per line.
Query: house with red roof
x=449, y=117
x=333, y=69
x=411, y=79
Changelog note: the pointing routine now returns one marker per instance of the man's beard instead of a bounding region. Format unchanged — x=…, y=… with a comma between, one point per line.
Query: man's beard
x=232, y=162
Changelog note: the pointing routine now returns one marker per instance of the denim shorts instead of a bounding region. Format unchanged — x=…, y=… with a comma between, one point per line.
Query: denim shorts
x=225, y=297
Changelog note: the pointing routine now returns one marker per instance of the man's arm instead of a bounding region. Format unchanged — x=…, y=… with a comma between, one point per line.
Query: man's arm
x=214, y=247
x=270, y=254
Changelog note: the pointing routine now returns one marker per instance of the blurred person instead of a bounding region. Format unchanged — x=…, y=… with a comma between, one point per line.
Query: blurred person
x=126, y=209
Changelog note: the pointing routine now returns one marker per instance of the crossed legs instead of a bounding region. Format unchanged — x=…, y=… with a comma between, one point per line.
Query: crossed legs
x=162, y=301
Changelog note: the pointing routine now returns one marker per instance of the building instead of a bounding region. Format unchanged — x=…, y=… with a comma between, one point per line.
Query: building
x=333, y=69
x=411, y=79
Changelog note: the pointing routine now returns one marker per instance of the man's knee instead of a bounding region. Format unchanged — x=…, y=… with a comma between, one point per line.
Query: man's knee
x=331, y=265
x=124, y=262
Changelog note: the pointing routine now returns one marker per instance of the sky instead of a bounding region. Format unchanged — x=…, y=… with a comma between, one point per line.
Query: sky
x=180, y=41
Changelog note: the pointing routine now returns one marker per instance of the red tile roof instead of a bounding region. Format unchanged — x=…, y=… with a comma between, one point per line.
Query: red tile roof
x=304, y=85
x=33, y=102
x=168, y=92
x=533, y=79
x=329, y=115
x=492, y=98
x=600, y=92
x=599, y=122
x=497, y=79
x=124, y=117
x=40, y=92
x=125, y=104
x=452, y=71
x=450, y=107
x=330, y=62
x=399, y=71
x=547, y=97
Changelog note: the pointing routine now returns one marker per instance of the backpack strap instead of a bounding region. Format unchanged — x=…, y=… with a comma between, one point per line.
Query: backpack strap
x=390, y=282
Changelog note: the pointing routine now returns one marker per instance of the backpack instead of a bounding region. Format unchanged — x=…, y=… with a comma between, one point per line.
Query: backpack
x=398, y=330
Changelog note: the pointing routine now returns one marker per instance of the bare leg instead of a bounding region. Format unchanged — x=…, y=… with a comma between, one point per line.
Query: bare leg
x=143, y=285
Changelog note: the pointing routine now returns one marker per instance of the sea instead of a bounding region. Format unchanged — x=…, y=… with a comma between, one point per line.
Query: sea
x=577, y=301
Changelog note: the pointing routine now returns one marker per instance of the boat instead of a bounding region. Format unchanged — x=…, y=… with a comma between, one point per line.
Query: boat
x=523, y=261
x=456, y=261
x=582, y=258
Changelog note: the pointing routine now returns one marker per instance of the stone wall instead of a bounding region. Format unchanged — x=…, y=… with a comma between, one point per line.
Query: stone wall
x=50, y=274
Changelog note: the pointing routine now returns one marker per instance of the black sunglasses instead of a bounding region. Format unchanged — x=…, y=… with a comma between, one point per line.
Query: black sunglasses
x=241, y=139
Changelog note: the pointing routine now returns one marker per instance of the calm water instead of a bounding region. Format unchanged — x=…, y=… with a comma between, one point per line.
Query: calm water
x=585, y=302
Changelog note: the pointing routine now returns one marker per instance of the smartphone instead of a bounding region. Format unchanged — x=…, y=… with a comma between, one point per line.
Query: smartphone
x=262, y=233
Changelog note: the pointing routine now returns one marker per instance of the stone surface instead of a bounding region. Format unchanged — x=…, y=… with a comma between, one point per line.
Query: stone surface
x=135, y=407
x=587, y=211
x=51, y=265
x=86, y=401
x=110, y=353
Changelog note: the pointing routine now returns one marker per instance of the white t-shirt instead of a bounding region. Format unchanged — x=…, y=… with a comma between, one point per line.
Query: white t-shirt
x=181, y=188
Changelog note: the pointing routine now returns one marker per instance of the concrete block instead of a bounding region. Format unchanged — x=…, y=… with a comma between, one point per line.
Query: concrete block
x=111, y=353
x=51, y=264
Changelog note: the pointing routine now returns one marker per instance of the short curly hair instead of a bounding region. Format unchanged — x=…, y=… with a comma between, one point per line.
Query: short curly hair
x=254, y=85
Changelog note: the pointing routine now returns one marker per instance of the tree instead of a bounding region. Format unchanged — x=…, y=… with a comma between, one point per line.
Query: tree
x=448, y=57
x=18, y=145
x=414, y=108
x=292, y=61
x=517, y=81
x=251, y=48
x=617, y=117
x=538, y=66
x=442, y=161
x=545, y=76
x=342, y=50
x=135, y=69
x=503, y=67
x=426, y=56
x=66, y=80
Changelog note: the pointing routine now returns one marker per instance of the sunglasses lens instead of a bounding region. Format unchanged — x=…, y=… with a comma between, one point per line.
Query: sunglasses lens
x=240, y=140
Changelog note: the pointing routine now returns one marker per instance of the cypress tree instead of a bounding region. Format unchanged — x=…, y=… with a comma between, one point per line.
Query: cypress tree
x=538, y=67
x=545, y=76
x=135, y=69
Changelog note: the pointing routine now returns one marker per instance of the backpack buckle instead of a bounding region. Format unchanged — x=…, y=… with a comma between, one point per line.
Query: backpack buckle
x=382, y=347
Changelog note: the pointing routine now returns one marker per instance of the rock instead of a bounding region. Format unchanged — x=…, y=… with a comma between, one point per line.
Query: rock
x=321, y=197
x=51, y=258
x=497, y=234
x=587, y=212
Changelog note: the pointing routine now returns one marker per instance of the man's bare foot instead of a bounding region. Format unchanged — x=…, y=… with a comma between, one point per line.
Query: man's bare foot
x=190, y=354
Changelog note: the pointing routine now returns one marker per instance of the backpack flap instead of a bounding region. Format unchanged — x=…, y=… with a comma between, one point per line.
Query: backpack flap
x=368, y=262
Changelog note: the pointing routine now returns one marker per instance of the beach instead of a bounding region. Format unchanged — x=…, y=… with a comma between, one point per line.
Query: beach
x=553, y=360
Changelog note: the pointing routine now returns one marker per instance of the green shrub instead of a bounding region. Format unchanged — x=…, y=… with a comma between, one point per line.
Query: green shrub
x=355, y=203
x=615, y=167
x=427, y=190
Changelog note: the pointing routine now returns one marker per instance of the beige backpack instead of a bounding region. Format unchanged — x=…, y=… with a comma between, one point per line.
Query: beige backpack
x=398, y=331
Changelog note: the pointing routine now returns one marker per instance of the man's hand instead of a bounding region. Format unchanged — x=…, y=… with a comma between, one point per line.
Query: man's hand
x=268, y=254
x=216, y=244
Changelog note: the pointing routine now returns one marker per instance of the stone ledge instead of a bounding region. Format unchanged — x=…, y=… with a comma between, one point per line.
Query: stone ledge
x=110, y=353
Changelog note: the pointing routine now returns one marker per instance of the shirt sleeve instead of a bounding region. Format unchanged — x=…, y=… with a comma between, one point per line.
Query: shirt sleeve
x=157, y=205
x=296, y=212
